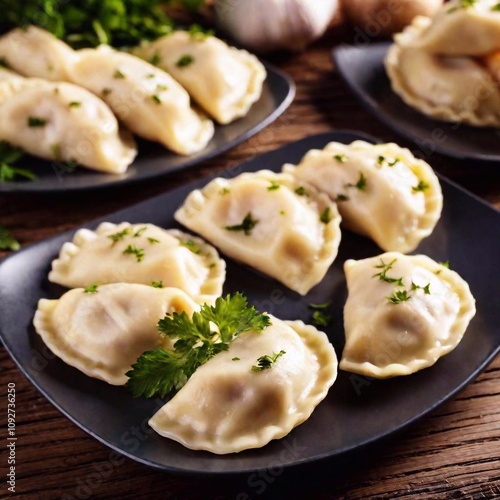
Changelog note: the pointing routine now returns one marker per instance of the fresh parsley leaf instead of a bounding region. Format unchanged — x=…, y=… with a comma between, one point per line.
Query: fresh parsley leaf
x=426, y=288
x=35, y=121
x=74, y=104
x=196, y=341
x=198, y=33
x=319, y=318
x=246, y=225
x=140, y=231
x=383, y=161
x=156, y=98
x=301, y=191
x=235, y=359
x=382, y=275
x=326, y=216
x=7, y=241
x=153, y=241
x=157, y=284
x=421, y=186
x=118, y=74
x=133, y=250
x=184, y=61
x=119, y=236
x=91, y=289
x=191, y=245
x=274, y=186
x=8, y=173
x=265, y=362
x=399, y=296
x=341, y=158
x=361, y=184
x=155, y=59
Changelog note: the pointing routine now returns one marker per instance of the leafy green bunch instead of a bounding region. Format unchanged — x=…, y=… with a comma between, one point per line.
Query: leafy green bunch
x=88, y=23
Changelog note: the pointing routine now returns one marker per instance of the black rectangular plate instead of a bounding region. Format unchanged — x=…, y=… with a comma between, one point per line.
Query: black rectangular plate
x=362, y=68
x=153, y=159
x=357, y=411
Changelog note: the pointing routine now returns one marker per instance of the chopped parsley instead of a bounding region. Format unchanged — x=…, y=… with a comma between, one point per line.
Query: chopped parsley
x=197, y=339
x=301, y=191
x=153, y=241
x=426, y=288
x=235, y=359
x=7, y=241
x=191, y=245
x=184, y=61
x=382, y=160
x=224, y=191
x=198, y=33
x=157, y=284
x=140, y=231
x=246, y=225
x=161, y=87
x=74, y=104
x=106, y=91
x=35, y=121
x=91, y=289
x=326, y=216
x=385, y=268
x=119, y=236
x=8, y=156
x=399, y=296
x=421, y=186
x=274, y=186
x=118, y=74
x=133, y=250
x=265, y=362
x=156, y=99
x=342, y=197
x=341, y=158
x=361, y=184
x=155, y=59
x=319, y=316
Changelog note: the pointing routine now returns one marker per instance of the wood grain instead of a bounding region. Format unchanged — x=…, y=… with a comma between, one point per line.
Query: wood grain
x=453, y=453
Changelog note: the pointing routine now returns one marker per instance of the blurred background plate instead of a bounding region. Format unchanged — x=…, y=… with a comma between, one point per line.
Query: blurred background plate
x=362, y=68
x=153, y=159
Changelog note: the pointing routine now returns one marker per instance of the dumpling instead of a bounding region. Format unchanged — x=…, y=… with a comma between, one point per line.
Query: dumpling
x=463, y=30
x=140, y=253
x=146, y=99
x=103, y=332
x=402, y=314
x=9, y=76
x=226, y=407
x=65, y=123
x=35, y=52
x=266, y=221
x=456, y=88
x=382, y=191
x=223, y=80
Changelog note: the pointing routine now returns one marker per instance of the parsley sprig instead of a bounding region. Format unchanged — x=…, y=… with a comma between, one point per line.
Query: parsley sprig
x=8, y=156
x=197, y=339
x=246, y=225
x=7, y=241
x=385, y=268
x=265, y=362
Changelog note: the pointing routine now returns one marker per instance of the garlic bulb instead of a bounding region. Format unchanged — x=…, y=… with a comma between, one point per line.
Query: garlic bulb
x=266, y=25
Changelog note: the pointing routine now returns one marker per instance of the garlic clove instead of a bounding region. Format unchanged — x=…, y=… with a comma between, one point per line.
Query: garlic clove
x=268, y=25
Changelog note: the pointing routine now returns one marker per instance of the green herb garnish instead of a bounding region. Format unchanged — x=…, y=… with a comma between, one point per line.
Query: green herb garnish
x=399, y=296
x=301, y=191
x=197, y=340
x=157, y=284
x=91, y=289
x=184, y=61
x=426, y=288
x=265, y=362
x=191, y=245
x=153, y=241
x=342, y=158
x=421, y=186
x=74, y=104
x=155, y=59
x=326, y=216
x=133, y=250
x=246, y=225
x=8, y=156
x=7, y=241
x=35, y=121
x=118, y=74
x=361, y=184
x=140, y=231
x=382, y=275
x=119, y=236
x=156, y=99
x=274, y=186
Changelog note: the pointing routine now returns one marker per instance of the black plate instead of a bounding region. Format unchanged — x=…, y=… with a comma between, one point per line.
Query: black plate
x=153, y=159
x=357, y=411
x=362, y=68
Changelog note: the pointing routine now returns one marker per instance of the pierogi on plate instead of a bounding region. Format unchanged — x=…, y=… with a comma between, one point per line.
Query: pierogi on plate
x=448, y=67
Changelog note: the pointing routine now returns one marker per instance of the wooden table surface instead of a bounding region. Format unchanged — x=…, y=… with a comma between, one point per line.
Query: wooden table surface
x=452, y=453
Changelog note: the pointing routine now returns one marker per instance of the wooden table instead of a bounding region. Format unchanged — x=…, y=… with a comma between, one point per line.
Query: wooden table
x=453, y=453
